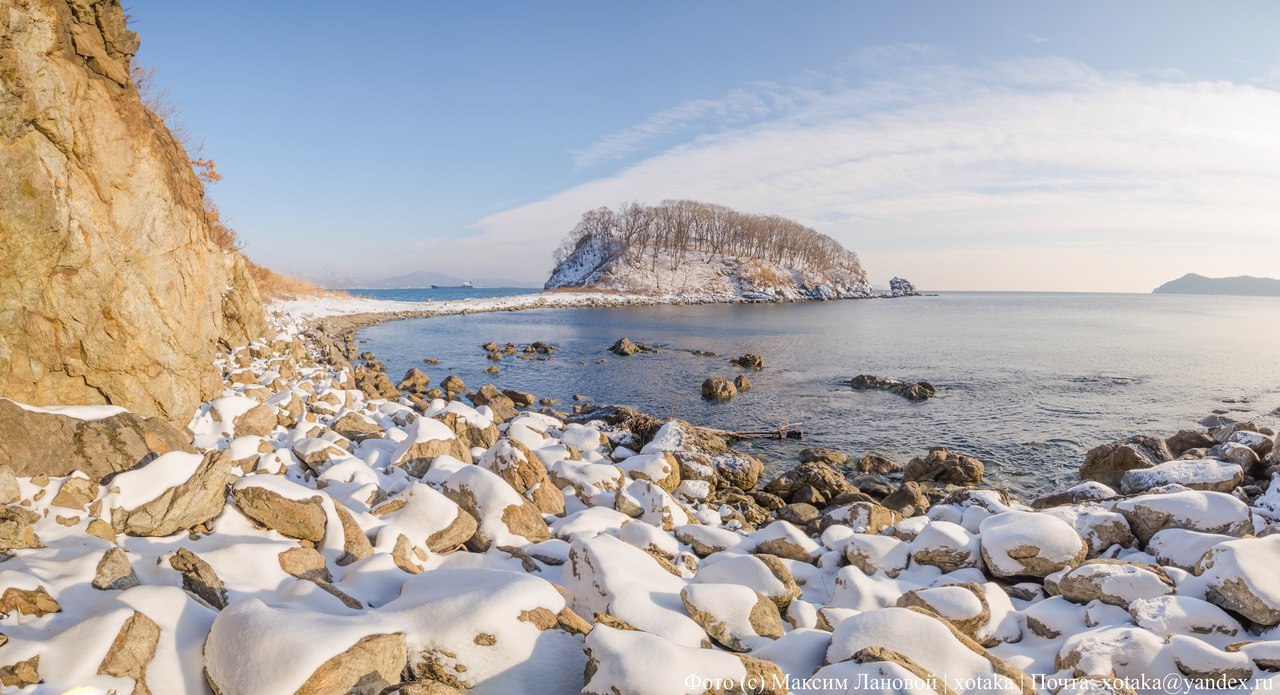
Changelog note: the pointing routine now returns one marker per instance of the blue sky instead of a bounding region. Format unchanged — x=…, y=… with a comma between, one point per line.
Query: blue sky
x=998, y=145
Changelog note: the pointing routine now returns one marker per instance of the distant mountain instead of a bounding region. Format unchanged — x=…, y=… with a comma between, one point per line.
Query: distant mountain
x=1244, y=285
x=420, y=278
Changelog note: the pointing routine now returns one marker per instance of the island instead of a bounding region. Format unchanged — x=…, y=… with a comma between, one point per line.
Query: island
x=1243, y=286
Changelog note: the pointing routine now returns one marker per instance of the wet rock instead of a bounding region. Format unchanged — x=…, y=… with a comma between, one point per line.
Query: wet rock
x=1186, y=440
x=748, y=361
x=453, y=384
x=718, y=388
x=522, y=399
x=503, y=408
x=917, y=391
x=878, y=465
x=1107, y=463
x=414, y=381
x=625, y=348
x=944, y=466
x=831, y=457
x=826, y=480
x=742, y=383
x=908, y=498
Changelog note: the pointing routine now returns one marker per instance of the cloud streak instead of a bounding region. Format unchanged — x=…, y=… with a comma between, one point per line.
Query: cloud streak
x=1105, y=181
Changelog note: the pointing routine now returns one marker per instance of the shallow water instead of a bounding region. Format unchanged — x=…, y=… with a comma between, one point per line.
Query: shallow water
x=1027, y=382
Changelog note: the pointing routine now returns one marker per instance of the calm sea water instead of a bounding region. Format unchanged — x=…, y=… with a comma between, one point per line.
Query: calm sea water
x=439, y=294
x=1027, y=382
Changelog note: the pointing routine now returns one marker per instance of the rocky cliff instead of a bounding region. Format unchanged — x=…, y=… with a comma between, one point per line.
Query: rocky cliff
x=111, y=290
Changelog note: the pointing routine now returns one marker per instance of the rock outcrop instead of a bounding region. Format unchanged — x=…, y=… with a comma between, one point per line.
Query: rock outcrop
x=113, y=291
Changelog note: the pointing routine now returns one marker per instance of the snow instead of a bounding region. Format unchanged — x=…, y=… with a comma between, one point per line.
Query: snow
x=87, y=413
x=1197, y=474
x=1003, y=535
x=141, y=485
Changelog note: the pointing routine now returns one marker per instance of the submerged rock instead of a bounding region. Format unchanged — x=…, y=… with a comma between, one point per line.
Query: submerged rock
x=718, y=388
x=918, y=391
x=748, y=361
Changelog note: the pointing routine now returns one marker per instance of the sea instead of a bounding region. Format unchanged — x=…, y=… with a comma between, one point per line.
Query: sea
x=1027, y=382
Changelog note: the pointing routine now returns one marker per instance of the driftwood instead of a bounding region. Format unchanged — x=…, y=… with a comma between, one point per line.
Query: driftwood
x=792, y=431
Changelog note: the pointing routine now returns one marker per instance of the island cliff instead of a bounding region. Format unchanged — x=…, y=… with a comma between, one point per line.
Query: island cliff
x=111, y=288
x=705, y=252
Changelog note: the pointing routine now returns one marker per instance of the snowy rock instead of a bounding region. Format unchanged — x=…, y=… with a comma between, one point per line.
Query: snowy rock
x=926, y=646
x=1114, y=582
x=963, y=605
x=1029, y=544
x=1114, y=652
x=426, y=438
x=1107, y=463
x=275, y=503
x=1100, y=527
x=1195, y=510
x=697, y=449
x=623, y=661
x=587, y=480
x=199, y=578
x=503, y=516
x=521, y=469
x=173, y=493
x=606, y=575
x=1239, y=576
x=705, y=540
x=763, y=574
x=862, y=517
x=426, y=517
x=1174, y=615
x=660, y=468
x=1084, y=492
x=735, y=616
x=784, y=540
x=1204, y=664
x=1194, y=474
x=873, y=554
x=1182, y=548
x=947, y=546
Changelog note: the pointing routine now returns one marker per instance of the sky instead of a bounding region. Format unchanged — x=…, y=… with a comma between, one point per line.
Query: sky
x=1084, y=146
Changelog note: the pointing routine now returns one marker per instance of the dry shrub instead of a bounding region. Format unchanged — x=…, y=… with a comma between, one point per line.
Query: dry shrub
x=273, y=285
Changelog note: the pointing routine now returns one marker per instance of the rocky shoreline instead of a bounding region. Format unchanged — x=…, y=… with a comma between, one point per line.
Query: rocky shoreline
x=327, y=531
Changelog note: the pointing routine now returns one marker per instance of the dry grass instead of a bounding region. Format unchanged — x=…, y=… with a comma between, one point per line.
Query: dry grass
x=273, y=285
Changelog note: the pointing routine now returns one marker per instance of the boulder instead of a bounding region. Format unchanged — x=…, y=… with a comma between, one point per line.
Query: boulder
x=521, y=469
x=503, y=516
x=735, y=616
x=356, y=427
x=748, y=361
x=815, y=474
x=963, y=605
x=522, y=399
x=1194, y=474
x=1208, y=666
x=1113, y=581
x=1084, y=492
x=428, y=438
x=1194, y=510
x=1029, y=544
x=414, y=381
x=831, y=457
x=703, y=455
x=917, y=391
x=1239, y=577
x=503, y=408
x=878, y=465
x=1186, y=440
x=258, y=421
x=944, y=466
x=35, y=443
x=718, y=388
x=624, y=348
x=1107, y=463
x=132, y=650
x=115, y=290
x=278, y=504
x=742, y=383
x=947, y=546
x=114, y=572
x=75, y=493
x=16, y=529
x=453, y=384
x=198, y=494
x=199, y=578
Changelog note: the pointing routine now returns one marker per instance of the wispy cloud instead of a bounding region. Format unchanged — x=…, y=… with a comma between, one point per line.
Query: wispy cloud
x=1036, y=38
x=1039, y=174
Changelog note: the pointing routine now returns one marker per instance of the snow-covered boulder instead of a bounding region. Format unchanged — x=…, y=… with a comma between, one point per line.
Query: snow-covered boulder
x=521, y=469
x=172, y=493
x=1179, y=615
x=963, y=605
x=1181, y=548
x=639, y=663
x=426, y=518
x=735, y=616
x=1194, y=474
x=910, y=638
x=1029, y=544
x=1114, y=582
x=504, y=517
x=1195, y=510
x=1239, y=576
x=764, y=574
x=947, y=546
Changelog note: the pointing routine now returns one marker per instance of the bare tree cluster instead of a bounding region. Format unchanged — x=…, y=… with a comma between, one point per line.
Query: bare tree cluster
x=670, y=231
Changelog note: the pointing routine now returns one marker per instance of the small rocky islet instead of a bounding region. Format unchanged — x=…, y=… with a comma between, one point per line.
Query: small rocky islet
x=325, y=530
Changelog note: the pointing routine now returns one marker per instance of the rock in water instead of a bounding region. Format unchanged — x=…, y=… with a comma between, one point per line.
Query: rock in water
x=718, y=388
x=1107, y=463
x=901, y=287
x=918, y=391
x=624, y=348
x=945, y=466
x=748, y=361
x=103, y=220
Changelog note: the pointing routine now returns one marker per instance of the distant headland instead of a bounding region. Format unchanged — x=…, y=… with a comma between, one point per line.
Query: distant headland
x=1244, y=285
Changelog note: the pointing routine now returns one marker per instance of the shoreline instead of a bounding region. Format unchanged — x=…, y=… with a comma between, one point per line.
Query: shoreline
x=342, y=314
x=321, y=505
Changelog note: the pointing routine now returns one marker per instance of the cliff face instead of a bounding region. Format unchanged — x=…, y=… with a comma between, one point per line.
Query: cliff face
x=702, y=276
x=111, y=290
